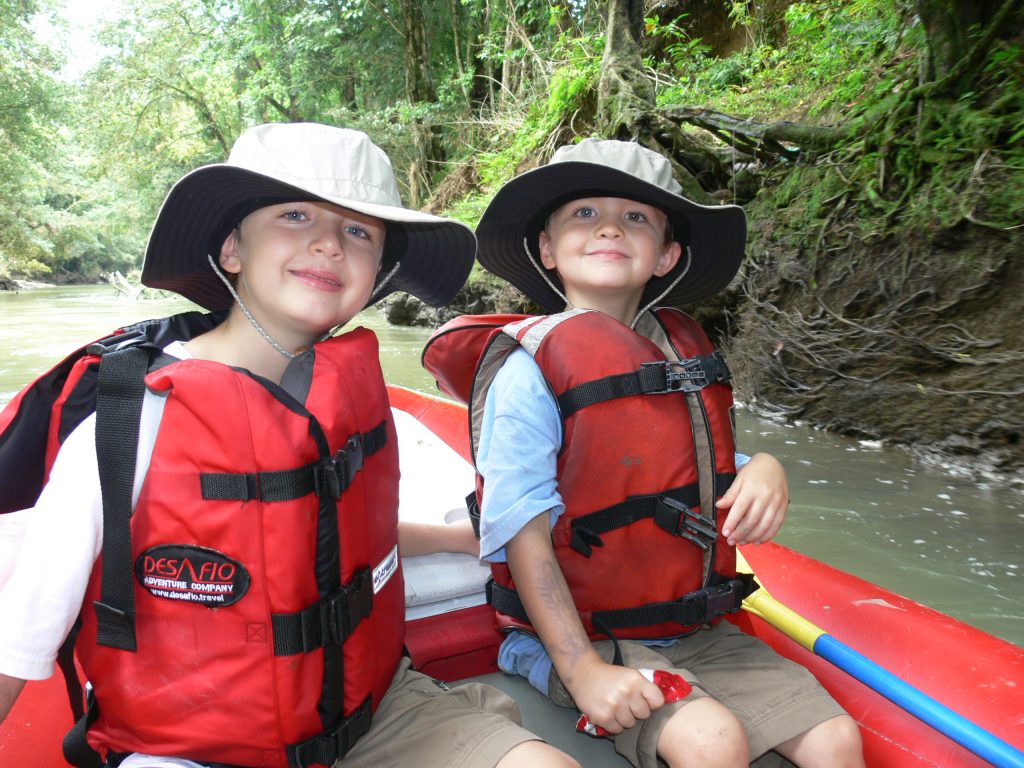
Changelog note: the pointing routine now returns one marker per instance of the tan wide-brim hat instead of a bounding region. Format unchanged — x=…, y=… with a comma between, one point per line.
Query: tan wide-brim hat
x=712, y=236
x=289, y=162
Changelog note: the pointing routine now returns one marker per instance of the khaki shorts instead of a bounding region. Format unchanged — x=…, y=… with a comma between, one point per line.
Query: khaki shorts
x=424, y=723
x=774, y=698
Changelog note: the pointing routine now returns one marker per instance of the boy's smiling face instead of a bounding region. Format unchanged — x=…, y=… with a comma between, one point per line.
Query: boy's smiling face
x=605, y=249
x=305, y=267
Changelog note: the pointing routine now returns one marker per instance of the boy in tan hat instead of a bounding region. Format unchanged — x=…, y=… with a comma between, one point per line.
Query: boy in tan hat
x=611, y=502
x=225, y=526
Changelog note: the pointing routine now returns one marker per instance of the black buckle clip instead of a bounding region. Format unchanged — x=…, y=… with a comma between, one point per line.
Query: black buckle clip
x=681, y=375
x=346, y=608
x=678, y=519
x=333, y=475
x=725, y=598
x=331, y=746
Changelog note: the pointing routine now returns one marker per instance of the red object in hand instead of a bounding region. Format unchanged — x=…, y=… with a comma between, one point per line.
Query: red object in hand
x=673, y=688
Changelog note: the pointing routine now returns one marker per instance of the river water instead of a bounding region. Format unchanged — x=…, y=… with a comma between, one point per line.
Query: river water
x=954, y=545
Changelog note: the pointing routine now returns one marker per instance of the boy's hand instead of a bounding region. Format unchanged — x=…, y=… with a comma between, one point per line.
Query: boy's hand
x=756, y=502
x=612, y=697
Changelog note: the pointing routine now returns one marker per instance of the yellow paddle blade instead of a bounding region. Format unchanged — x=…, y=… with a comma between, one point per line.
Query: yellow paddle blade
x=763, y=605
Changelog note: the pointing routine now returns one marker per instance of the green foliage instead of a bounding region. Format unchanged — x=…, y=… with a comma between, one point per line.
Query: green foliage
x=681, y=50
x=570, y=88
x=86, y=167
x=830, y=57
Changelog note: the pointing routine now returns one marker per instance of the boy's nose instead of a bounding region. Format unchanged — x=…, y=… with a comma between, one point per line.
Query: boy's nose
x=328, y=243
x=609, y=228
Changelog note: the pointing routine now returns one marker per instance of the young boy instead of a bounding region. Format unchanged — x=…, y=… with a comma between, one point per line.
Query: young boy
x=604, y=445
x=251, y=613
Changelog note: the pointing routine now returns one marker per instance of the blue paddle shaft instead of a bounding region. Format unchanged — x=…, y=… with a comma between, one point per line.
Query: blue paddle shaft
x=961, y=730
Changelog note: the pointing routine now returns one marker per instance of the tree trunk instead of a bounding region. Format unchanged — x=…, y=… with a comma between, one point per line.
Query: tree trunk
x=949, y=24
x=419, y=89
x=624, y=94
x=455, y=11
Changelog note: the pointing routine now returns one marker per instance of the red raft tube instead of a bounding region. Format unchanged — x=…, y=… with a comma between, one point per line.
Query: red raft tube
x=450, y=635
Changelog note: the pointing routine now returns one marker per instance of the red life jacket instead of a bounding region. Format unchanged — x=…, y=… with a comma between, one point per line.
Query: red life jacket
x=647, y=449
x=264, y=613
x=34, y=424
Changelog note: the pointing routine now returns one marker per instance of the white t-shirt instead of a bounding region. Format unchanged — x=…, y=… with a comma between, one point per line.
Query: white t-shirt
x=63, y=536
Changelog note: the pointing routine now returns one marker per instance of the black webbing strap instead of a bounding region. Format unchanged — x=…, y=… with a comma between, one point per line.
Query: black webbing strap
x=505, y=600
x=119, y=394
x=328, y=478
x=691, y=609
x=656, y=378
x=672, y=511
x=328, y=621
x=333, y=744
x=66, y=663
x=75, y=747
x=473, y=508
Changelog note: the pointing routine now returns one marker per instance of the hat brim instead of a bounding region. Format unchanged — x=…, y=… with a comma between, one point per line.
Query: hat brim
x=435, y=255
x=715, y=235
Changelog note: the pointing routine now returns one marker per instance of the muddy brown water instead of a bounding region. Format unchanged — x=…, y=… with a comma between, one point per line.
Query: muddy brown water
x=947, y=542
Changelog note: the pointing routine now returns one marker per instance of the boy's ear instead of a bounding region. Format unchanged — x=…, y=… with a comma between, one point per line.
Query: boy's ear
x=229, y=258
x=547, y=258
x=669, y=259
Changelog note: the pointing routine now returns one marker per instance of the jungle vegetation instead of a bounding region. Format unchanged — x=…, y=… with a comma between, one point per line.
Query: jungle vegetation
x=876, y=145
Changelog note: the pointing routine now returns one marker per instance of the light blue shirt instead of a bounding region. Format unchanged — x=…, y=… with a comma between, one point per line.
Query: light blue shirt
x=520, y=437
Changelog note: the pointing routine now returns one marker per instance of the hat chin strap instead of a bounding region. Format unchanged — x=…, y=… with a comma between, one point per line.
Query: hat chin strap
x=663, y=294
x=544, y=274
x=248, y=315
x=568, y=305
x=381, y=283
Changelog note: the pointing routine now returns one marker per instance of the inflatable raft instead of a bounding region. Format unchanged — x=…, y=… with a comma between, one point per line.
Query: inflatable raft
x=969, y=685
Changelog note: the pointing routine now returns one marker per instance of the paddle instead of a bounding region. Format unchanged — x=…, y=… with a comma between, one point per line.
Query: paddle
x=958, y=728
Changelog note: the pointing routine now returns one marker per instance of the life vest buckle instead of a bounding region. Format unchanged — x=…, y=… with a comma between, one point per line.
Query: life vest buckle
x=332, y=745
x=335, y=473
x=722, y=599
x=347, y=607
x=690, y=375
x=680, y=520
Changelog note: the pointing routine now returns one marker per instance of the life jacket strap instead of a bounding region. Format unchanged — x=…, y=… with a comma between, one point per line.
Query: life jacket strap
x=327, y=622
x=655, y=378
x=331, y=745
x=473, y=510
x=692, y=609
x=672, y=511
x=75, y=747
x=119, y=397
x=327, y=477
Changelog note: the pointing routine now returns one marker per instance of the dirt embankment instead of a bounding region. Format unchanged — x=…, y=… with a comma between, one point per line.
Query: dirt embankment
x=916, y=340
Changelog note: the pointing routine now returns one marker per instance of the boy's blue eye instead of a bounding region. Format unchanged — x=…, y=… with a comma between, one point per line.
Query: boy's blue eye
x=359, y=232
x=636, y=216
x=294, y=215
x=586, y=212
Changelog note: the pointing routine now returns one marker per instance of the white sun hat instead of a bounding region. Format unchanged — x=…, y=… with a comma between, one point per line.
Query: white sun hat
x=425, y=255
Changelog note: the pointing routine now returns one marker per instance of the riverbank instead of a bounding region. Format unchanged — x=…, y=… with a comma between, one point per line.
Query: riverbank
x=908, y=329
